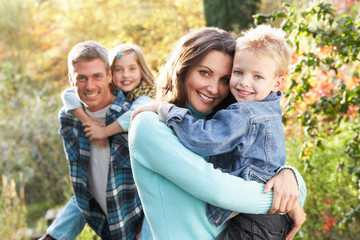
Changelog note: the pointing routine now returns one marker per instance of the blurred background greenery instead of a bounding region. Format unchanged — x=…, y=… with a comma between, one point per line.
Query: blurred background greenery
x=321, y=101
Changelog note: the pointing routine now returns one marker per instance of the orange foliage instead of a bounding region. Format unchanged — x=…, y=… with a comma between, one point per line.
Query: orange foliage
x=323, y=82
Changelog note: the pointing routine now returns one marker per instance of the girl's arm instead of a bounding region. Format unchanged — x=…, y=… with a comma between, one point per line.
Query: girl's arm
x=124, y=120
x=94, y=132
x=70, y=100
x=72, y=104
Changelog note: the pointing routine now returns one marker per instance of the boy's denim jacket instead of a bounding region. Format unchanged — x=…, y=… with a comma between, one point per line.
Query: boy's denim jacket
x=246, y=139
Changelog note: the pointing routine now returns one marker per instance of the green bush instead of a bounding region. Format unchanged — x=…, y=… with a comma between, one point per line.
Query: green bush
x=322, y=115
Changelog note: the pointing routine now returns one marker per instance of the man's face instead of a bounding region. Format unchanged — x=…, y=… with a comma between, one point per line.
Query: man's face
x=92, y=84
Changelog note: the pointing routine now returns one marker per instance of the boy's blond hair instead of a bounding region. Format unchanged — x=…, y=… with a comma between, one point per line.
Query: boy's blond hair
x=268, y=41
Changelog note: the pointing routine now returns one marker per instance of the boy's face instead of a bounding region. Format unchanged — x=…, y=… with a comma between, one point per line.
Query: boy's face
x=92, y=84
x=253, y=76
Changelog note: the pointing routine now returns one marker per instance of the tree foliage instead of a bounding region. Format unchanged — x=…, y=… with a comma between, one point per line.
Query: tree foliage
x=323, y=96
x=231, y=15
x=36, y=36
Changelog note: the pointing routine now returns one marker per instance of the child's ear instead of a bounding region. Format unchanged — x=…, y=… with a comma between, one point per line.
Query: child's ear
x=278, y=82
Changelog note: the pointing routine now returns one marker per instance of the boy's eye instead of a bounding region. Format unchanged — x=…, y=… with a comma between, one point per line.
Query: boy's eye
x=258, y=77
x=237, y=72
x=117, y=69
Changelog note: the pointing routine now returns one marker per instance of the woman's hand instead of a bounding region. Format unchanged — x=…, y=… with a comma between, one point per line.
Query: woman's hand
x=95, y=132
x=286, y=192
x=152, y=107
x=298, y=216
x=285, y=200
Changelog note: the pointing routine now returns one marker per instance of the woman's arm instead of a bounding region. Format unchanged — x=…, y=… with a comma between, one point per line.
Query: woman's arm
x=153, y=145
x=289, y=188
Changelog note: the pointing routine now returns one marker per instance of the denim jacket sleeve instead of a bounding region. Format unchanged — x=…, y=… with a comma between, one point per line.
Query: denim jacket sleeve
x=70, y=100
x=228, y=129
x=154, y=146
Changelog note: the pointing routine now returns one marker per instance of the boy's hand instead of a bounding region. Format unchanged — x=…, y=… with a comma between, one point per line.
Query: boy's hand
x=298, y=216
x=153, y=107
x=286, y=191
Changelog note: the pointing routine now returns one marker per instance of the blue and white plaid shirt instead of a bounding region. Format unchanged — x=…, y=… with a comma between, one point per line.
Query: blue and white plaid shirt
x=124, y=208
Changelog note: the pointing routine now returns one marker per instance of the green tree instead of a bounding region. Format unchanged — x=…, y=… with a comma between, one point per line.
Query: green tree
x=36, y=36
x=323, y=97
x=231, y=15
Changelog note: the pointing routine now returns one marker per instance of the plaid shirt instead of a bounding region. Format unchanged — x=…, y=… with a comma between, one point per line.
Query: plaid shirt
x=124, y=208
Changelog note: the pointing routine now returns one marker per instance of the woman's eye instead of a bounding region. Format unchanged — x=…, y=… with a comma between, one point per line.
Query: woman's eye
x=204, y=73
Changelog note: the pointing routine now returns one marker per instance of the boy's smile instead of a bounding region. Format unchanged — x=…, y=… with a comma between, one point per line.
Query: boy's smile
x=253, y=76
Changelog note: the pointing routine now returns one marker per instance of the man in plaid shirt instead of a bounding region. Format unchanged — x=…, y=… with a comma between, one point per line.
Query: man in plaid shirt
x=101, y=178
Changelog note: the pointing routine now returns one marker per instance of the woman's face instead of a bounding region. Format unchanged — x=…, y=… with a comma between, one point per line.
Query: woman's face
x=127, y=72
x=207, y=83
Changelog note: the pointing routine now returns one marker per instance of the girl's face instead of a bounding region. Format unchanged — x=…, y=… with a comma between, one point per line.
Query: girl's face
x=127, y=72
x=207, y=83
